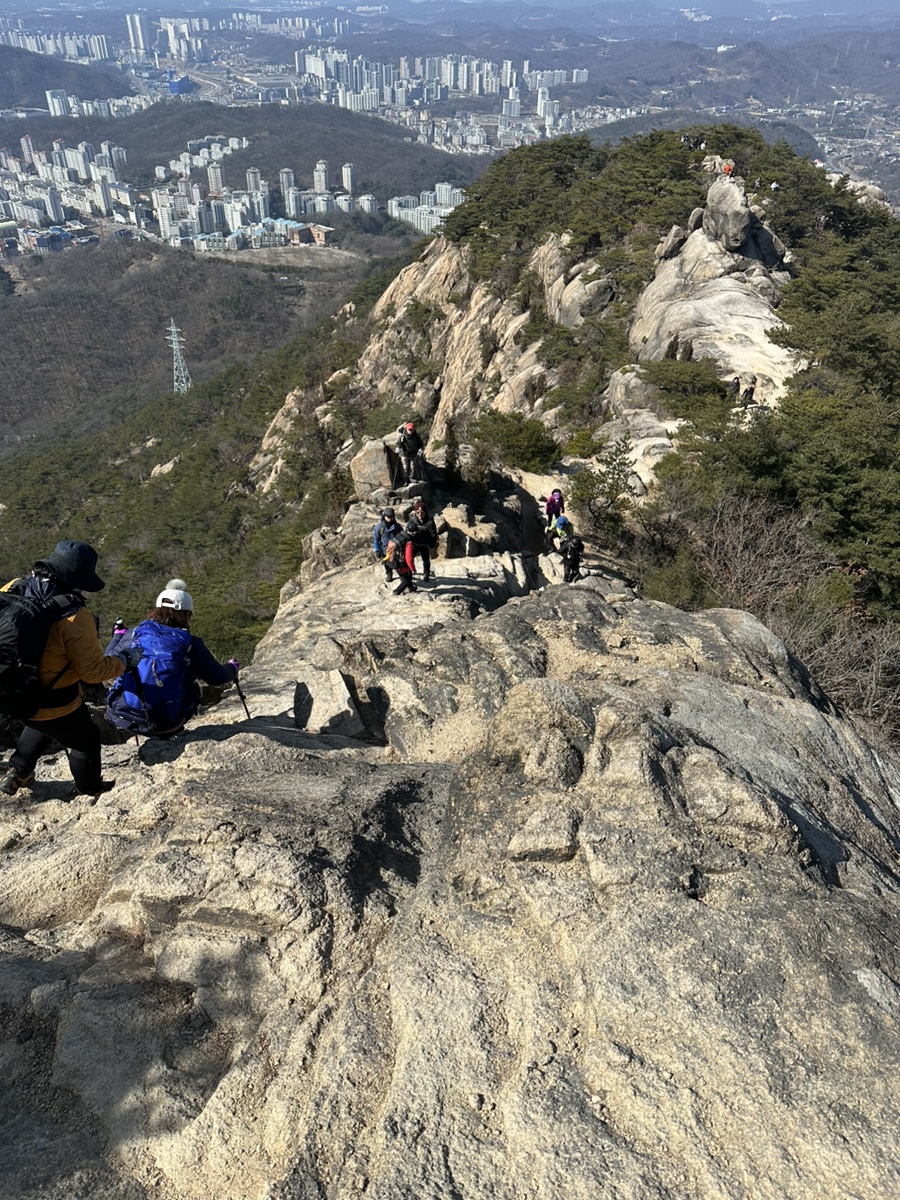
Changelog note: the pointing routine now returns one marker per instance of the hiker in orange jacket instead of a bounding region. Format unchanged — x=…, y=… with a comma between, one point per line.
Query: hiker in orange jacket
x=71, y=654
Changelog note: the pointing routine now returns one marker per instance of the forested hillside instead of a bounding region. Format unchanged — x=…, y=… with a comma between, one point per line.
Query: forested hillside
x=84, y=331
x=199, y=516
x=26, y=77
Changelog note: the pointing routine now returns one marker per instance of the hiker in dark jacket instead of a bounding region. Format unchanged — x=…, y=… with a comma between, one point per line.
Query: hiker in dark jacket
x=131, y=704
x=572, y=549
x=423, y=533
x=71, y=654
x=412, y=452
x=386, y=529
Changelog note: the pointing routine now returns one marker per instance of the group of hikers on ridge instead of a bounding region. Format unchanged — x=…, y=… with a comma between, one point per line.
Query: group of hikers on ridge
x=49, y=646
x=571, y=548
x=397, y=546
x=748, y=397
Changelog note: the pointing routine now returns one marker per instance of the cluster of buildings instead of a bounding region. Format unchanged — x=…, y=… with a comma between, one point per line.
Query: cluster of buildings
x=46, y=188
x=79, y=47
x=235, y=218
x=401, y=92
x=302, y=28
x=336, y=77
x=232, y=218
x=61, y=104
x=40, y=188
x=426, y=211
x=182, y=39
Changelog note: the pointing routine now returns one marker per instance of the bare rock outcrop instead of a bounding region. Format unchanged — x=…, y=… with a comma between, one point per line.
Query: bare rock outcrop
x=715, y=296
x=599, y=904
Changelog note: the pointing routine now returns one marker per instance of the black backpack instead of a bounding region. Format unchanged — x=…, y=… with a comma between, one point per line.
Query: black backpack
x=24, y=626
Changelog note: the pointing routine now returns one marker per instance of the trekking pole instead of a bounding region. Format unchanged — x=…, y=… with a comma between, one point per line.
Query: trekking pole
x=243, y=698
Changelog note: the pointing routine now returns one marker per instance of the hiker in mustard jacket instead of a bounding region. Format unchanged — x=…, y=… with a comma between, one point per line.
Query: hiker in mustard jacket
x=72, y=653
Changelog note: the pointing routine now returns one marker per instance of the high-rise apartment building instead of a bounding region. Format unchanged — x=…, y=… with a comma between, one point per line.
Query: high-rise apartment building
x=286, y=180
x=254, y=179
x=320, y=176
x=140, y=37
x=348, y=177
x=293, y=204
x=58, y=103
x=216, y=177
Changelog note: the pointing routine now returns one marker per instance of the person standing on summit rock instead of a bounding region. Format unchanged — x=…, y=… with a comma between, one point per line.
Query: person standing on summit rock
x=412, y=452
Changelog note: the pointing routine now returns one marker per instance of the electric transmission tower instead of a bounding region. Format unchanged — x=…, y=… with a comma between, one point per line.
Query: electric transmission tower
x=182, y=377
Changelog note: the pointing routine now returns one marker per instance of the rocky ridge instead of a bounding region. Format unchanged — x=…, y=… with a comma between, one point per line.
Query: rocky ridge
x=452, y=345
x=596, y=899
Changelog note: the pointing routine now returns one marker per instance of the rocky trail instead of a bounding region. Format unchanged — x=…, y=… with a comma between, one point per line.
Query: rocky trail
x=598, y=900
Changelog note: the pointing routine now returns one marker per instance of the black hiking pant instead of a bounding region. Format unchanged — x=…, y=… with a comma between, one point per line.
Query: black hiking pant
x=81, y=738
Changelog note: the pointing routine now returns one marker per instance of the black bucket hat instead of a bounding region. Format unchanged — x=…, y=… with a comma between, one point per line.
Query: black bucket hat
x=75, y=565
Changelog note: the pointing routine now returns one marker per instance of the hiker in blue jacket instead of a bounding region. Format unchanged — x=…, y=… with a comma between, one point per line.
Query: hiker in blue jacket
x=384, y=532
x=163, y=692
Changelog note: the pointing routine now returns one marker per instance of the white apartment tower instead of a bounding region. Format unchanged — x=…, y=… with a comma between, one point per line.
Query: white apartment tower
x=139, y=35
x=348, y=176
x=215, y=177
x=286, y=180
x=320, y=176
x=254, y=179
x=58, y=103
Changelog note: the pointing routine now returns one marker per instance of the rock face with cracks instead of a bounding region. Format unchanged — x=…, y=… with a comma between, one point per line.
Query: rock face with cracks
x=602, y=903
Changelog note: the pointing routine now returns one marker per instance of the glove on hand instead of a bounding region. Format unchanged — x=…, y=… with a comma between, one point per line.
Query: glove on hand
x=130, y=656
x=233, y=662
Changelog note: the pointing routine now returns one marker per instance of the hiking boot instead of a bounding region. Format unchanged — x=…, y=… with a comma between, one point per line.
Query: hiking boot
x=106, y=785
x=12, y=781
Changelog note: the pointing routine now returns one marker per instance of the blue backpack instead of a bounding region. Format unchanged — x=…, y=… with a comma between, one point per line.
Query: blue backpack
x=159, y=695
